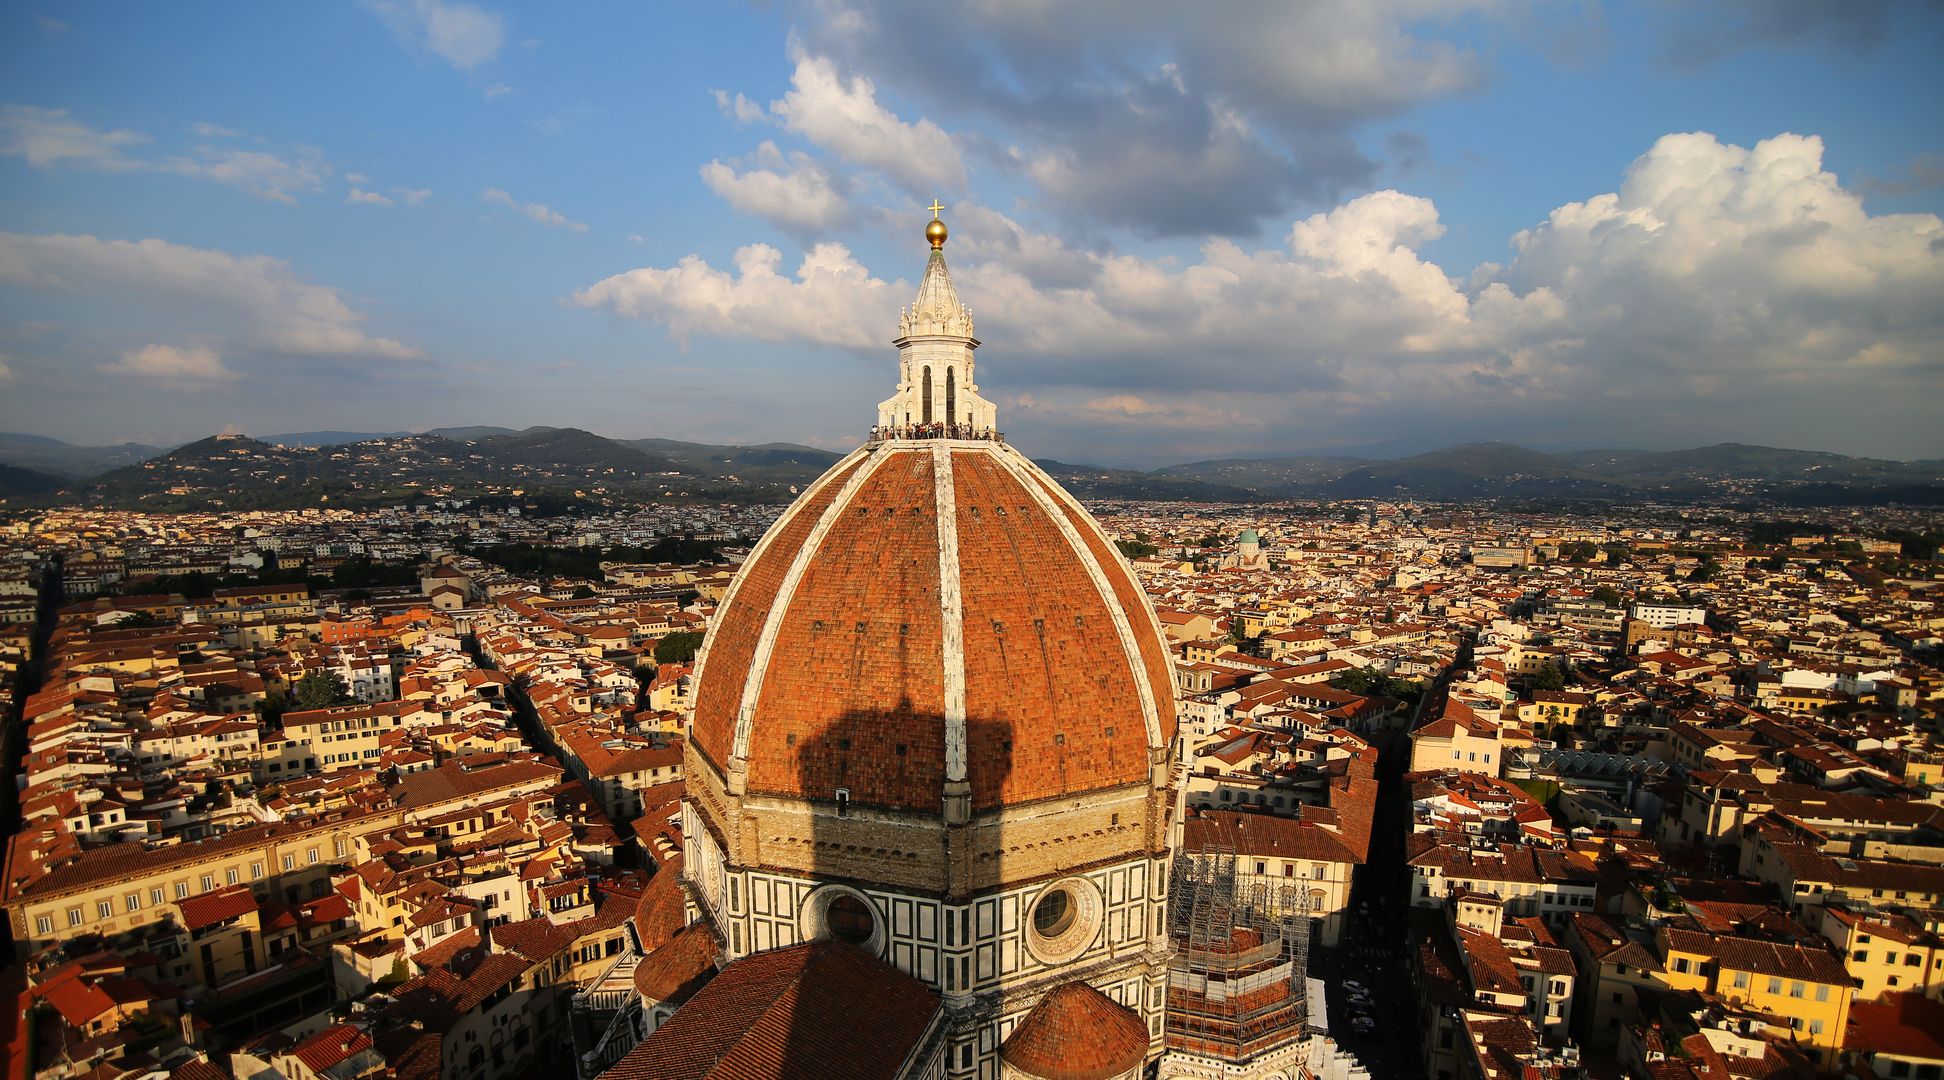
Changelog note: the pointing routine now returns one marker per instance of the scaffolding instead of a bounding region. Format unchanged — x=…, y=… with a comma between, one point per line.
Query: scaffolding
x=1238, y=975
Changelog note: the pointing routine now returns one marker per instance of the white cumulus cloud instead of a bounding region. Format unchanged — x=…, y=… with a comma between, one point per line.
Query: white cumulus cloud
x=841, y=113
x=464, y=35
x=738, y=108
x=260, y=173
x=1716, y=281
x=795, y=192
x=540, y=212
x=368, y=198
x=832, y=299
x=172, y=364
x=51, y=137
x=48, y=137
x=238, y=302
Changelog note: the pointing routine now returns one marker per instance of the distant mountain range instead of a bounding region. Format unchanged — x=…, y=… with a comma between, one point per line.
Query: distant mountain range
x=1726, y=472
x=56, y=458
x=341, y=468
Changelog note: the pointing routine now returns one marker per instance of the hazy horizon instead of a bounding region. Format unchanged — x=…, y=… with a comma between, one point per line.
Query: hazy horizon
x=1650, y=226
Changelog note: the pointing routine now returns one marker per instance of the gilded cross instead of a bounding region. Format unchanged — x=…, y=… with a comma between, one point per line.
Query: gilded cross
x=935, y=207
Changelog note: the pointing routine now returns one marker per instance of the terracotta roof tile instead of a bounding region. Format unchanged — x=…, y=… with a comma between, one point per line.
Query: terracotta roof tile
x=1077, y=1033
x=818, y=1011
x=210, y=908
x=674, y=972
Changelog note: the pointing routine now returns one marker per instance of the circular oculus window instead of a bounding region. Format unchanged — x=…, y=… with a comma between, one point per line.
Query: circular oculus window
x=1063, y=920
x=841, y=912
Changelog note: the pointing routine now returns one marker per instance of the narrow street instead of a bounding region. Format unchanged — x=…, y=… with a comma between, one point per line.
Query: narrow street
x=1375, y=951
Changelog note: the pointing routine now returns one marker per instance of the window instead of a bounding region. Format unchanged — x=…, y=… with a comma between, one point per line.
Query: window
x=104, y=909
x=1822, y=993
x=849, y=920
x=256, y=870
x=155, y=897
x=133, y=901
x=182, y=890
x=1055, y=913
x=44, y=924
x=230, y=876
x=1775, y=986
x=290, y=862
x=1681, y=965
x=1795, y=989
x=75, y=917
x=208, y=882
x=310, y=856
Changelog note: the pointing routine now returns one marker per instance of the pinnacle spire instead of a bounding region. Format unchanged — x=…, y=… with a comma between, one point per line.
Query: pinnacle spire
x=937, y=309
x=936, y=395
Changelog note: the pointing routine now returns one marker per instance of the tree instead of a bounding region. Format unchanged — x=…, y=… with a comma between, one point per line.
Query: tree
x=583, y=592
x=141, y=620
x=1136, y=548
x=319, y=690
x=678, y=647
x=1607, y=595
x=1549, y=677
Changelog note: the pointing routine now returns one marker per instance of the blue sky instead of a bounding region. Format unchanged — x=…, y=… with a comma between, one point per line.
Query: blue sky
x=1254, y=227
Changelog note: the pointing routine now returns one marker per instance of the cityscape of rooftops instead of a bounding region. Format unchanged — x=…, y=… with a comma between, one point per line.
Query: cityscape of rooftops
x=850, y=540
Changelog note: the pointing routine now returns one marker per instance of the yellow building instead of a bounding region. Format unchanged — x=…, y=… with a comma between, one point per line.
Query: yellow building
x=125, y=887
x=1281, y=850
x=1806, y=989
x=1885, y=953
x=1458, y=739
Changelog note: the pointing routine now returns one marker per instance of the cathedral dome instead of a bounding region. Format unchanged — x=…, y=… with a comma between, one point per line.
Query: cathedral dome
x=935, y=614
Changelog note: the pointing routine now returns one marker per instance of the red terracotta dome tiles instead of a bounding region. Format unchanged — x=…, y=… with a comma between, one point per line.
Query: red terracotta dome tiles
x=1077, y=1033
x=1133, y=600
x=853, y=696
x=1051, y=707
x=732, y=641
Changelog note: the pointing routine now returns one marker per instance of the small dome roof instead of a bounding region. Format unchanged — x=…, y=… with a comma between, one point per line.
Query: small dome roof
x=1077, y=1033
